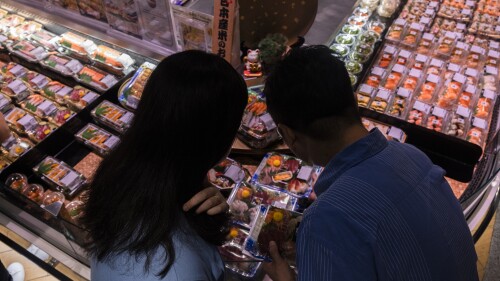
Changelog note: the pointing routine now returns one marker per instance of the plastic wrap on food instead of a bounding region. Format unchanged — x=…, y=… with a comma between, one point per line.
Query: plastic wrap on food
x=364, y=94
x=96, y=78
x=112, y=60
x=79, y=98
x=14, y=70
x=14, y=147
x=98, y=139
x=233, y=255
x=113, y=116
x=227, y=174
x=400, y=103
x=418, y=114
x=130, y=93
x=60, y=175
x=5, y=104
x=428, y=89
x=56, y=91
x=17, y=90
x=47, y=39
x=394, y=78
x=23, y=30
x=396, y=31
x=458, y=124
x=386, y=56
x=437, y=119
x=77, y=45
x=381, y=101
x=451, y=92
x=62, y=64
x=375, y=77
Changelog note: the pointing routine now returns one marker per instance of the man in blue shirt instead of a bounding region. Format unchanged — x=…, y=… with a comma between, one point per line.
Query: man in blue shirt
x=383, y=210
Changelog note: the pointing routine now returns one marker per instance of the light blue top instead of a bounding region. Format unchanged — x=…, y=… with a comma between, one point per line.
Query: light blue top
x=195, y=260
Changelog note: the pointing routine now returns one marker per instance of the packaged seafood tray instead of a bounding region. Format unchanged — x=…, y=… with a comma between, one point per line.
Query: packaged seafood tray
x=394, y=78
x=459, y=122
x=419, y=61
x=130, y=92
x=490, y=79
x=452, y=69
x=60, y=176
x=446, y=45
x=411, y=81
x=25, y=123
x=5, y=104
x=285, y=173
x=112, y=60
x=412, y=35
x=429, y=88
x=468, y=96
x=246, y=198
x=98, y=139
x=113, y=116
x=36, y=81
x=46, y=39
x=492, y=58
x=273, y=224
x=386, y=57
x=23, y=30
x=233, y=255
x=96, y=78
x=17, y=90
x=29, y=51
x=450, y=92
x=14, y=70
x=459, y=52
x=47, y=109
x=364, y=94
x=478, y=131
x=79, y=98
x=396, y=31
x=403, y=57
x=375, y=77
x=77, y=46
x=426, y=44
x=14, y=147
x=56, y=91
x=418, y=114
x=463, y=13
x=400, y=103
x=472, y=76
x=381, y=101
x=10, y=20
x=475, y=57
x=64, y=65
x=227, y=174
x=257, y=128
x=437, y=119
x=485, y=104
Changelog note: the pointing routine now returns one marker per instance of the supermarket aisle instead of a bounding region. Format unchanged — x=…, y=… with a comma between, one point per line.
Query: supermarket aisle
x=492, y=272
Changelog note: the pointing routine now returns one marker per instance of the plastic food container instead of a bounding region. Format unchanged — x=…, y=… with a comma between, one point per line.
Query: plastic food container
x=233, y=255
x=39, y=106
x=345, y=39
x=52, y=198
x=24, y=123
x=386, y=57
x=426, y=43
x=458, y=124
x=5, y=104
x=396, y=31
x=467, y=97
x=46, y=39
x=354, y=20
x=77, y=46
x=420, y=62
x=36, y=81
x=375, y=77
x=227, y=174
x=451, y=70
x=435, y=67
x=130, y=92
x=23, y=30
x=412, y=35
x=364, y=95
x=98, y=139
x=477, y=132
x=56, y=91
x=62, y=64
x=418, y=113
x=394, y=78
x=60, y=116
x=381, y=101
x=9, y=21
x=285, y=173
x=75, y=209
x=474, y=57
x=112, y=60
x=437, y=120
x=368, y=37
x=403, y=57
x=459, y=53
x=340, y=50
x=29, y=51
x=485, y=104
x=4, y=163
x=17, y=182
x=273, y=224
x=353, y=67
x=451, y=92
x=96, y=78
x=34, y=192
x=246, y=198
x=79, y=98
x=351, y=29
x=17, y=90
x=429, y=88
x=400, y=103
x=59, y=175
x=15, y=70
x=377, y=27
x=113, y=116
x=14, y=147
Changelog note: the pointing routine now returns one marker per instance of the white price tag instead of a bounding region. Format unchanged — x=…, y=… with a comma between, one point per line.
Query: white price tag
x=459, y=78
x=421, y=58
x=470, y=3
x=389, y=49
x=437, y=63
x=404, y=92
x=69, y=179
x=493, y=54
x=383, y=94
x=18, y=70
x=398, y=68
x=471, y=72
x=477, y=49
x=3, y=102
x=420, y=106
x=463, y=111
x=396, y=133
x=365, y=89
x=40, y=81
x=470, y=89
x=462, y=45
x=3, y=38
x=405, y=54
x=449, y=37
x=235, y=173
x=439, y=112
x=17, y=86
x=433, y=4
x=453, y=67
x=480, y=123
x=28, y=122
x=416, y=26
x=400, y=21
x=426, y=20
x=109, y=81
x=268, y=121
x=415, y=73
x=90, y=97
x=494, y=45
x=111, y=142
x=460, y=26
x=64, y=91
x=489, y=94
x=466, y=12
x=433, y=78
x=305, y=173
x=47, y=107
x=74, y=65
x=428, y=36
x=9, y=142
x=378, y=71
x=491, y=70
x=127, y=117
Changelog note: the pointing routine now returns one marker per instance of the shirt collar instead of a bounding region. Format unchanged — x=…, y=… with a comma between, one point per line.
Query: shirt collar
x=355, y=153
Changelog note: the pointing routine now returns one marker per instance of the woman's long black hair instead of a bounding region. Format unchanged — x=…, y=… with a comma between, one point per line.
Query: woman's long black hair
x=186, y=122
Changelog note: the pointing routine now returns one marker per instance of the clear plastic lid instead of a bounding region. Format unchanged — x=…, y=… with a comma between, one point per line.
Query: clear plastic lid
x=111, y=115
x=59, y=174
x=98, y=139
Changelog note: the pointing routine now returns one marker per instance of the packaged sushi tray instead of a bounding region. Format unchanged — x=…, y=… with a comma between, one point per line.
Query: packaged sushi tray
x=62, y=64
x=130, y=92
x=60, y=175
x=14, y=70
x=245, y=199
x=286, y=173
x=96, y=78
x=24, y=30
x=227, y=174
x=47, y=109
x=97, y=139
x=30, y=51
x=112, y=60
x=113, y=116
x=233, y=256
x=17, y=90
x=79, y=98
x=56, y=91
x=36, y=81
x=273, y=224
x=5, y=104
x=27, y=124
x=46, y=39
x=77, y=46
x=14, y=147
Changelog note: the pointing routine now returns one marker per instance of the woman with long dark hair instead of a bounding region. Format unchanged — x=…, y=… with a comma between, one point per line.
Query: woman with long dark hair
x=186, y=122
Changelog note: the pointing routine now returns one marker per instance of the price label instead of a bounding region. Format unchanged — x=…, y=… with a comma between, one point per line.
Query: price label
x=305, y=173
x=398, y=68
x=480, y=123
x=111, y=142
x=489, y=94
x=378, y=71
x=470, y=89
x=463, y=111
x=420, y=106
x=459, y=78
x=268, y=121
x=3, y=38
x=421, y=58
x=109, y=81
x=494, y=44
x=466, y=12
x=491, y=70
x=493, y=54
x=47, y=107
x=69, y=179
x=400, y=21
x=449, y=37
x=17, y=86
x=433, y=4
x=437, y=63
x=428, y=36
x=396, y=133
x=497, y=28
x=90, y=97
x=415, y=73
x=470, y=3
x=416, y=26
x=477, y=49
x=439, y=112
x=3, y=102
x=365, y=89
x=462, y=45
x=39, y=53
x=405, y=54
x=64, y=91
x=127, y=117
x=74, y=65
x=9, y=142
x=18, y=70
x=426, y=20
x=404, y=92
x=383, y=94
x=433, y=78
x=453, y=67
x=234, y=173
x=40, y=81
x=471, y=72
x=28, y=122
x=390, y=49
x=460, y=26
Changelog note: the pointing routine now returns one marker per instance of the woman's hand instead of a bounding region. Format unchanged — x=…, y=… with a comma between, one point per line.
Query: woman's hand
x=211, y=200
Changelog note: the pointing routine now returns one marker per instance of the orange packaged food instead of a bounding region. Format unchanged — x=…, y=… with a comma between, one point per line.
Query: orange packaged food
x=403, y=57
x=413, y=34
x=426, y=43
x=375, y=77
x=435, y=123
x=396, y=31
x=474, y=57
x=428, y=88
x=475, y=136
x=394, y=78
x=420, y=62
x=415, y=117
x=445, y=46
x=385, y=60
x=410, y=83
x=467, y=95
x=483, y=107
x=449, y=97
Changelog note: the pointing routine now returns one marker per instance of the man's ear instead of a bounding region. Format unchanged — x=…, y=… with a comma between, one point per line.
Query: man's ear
x=288, y=134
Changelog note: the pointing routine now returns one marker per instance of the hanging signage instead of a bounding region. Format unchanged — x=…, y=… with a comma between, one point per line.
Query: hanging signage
x=223, y=28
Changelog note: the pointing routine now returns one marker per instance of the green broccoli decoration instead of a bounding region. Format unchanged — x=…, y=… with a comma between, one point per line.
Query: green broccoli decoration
x=272, y=48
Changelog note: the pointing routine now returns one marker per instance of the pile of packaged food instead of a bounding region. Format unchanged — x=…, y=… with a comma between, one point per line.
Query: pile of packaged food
x=432, y=72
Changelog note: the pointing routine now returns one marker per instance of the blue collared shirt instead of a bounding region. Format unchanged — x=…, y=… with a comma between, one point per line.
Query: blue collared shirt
x=384, y=212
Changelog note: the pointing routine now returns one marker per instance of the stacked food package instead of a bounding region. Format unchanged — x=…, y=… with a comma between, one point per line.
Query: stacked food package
x=434, y=71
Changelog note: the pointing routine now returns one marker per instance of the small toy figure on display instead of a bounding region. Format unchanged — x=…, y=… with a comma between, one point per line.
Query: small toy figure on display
x=253, y=65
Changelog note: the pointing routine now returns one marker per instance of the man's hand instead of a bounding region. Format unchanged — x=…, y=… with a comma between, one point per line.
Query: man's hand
x=211, y=200
x=278, y=269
